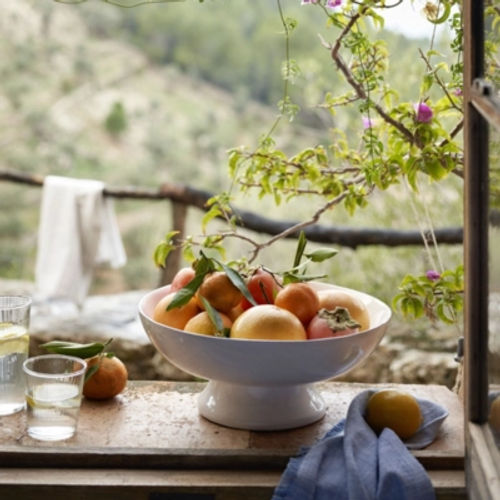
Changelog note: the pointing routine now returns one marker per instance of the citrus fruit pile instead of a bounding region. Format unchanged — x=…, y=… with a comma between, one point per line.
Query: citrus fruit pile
x=258, y=307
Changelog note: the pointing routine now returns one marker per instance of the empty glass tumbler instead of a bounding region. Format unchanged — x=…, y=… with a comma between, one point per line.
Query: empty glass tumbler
x=14, y=346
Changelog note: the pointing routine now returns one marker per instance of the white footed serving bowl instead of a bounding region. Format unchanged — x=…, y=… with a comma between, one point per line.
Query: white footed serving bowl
x=263, y=384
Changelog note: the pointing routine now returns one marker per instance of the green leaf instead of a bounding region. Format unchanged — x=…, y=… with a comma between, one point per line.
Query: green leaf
x=75, y=349
x=436, y=170
x=432, y=17
x=237, y=280
x=301, y=245
x=164, y=248
x=204, y=265
x=321, y=254
x=90, y=372
x=187, y=253
x=226, y=332
x=213, y=315
x=184, y=295
x=293, y=277
x=427, y=83
x=211, y=214
x=412, y=307
x=161, y=253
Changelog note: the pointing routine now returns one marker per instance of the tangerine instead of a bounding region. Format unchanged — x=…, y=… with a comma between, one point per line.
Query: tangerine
x=300, y=299
x=176, y=317
x=201, y=323
x=219, y=291
x=330, y=299
x=268, y=322
x=394, y=409
x=109, y=380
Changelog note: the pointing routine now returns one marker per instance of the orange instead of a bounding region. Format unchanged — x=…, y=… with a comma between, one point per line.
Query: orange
x=394, y=409
x=330, y=299
x=201, y=323
x=494, y=415
x=300, y=299
x=268, y=322
x=176, y=317
x=219, y=291
x=109, y=380
x=235, y=311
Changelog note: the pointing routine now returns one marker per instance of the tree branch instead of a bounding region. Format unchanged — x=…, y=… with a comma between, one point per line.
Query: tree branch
x=360, y=91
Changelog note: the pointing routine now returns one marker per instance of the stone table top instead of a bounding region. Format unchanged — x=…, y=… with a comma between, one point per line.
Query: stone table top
x=156, y=424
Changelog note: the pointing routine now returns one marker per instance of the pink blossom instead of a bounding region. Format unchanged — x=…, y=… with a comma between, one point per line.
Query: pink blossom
x=331, y=4
x=424, y=112
x=367, y=122
x=308, y=2
x=458, y=92
x=432, y=275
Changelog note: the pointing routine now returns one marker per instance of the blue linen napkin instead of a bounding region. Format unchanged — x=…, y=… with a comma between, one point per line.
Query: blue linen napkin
x=352, y=463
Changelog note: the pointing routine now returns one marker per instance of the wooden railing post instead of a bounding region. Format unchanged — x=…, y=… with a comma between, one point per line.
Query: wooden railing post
x=173, y=261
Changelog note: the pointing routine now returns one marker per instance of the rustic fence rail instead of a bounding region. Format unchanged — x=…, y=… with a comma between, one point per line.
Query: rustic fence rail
x=183, y=196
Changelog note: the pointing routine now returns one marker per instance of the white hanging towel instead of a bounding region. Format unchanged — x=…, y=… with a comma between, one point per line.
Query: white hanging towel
x=77, y=232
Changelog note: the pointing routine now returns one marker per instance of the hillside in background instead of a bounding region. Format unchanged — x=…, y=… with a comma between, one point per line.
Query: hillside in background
x=159, y=94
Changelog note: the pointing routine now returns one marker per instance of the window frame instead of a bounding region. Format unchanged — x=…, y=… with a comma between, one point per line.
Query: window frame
x=481, y=111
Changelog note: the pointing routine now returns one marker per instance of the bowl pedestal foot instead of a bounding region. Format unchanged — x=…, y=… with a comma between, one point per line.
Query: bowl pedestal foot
x=261, y=408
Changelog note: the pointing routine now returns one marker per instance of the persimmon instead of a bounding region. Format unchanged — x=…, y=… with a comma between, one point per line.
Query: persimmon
x=331, y=298
x=336, y=323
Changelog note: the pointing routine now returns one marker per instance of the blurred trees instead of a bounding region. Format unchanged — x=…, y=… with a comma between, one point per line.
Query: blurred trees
x=193, y=81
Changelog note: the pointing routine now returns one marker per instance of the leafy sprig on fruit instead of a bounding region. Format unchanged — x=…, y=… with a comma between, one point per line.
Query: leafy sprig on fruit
x=205, y=265
x=83, y=351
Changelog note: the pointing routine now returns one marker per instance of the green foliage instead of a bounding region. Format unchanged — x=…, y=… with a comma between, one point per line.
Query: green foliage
x=439, y=296
x=164, y=248
x=299, y=269
x=116, y=121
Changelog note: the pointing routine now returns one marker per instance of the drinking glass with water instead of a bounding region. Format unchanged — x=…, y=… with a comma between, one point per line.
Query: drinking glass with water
x=14, y=346
x=54, y=385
